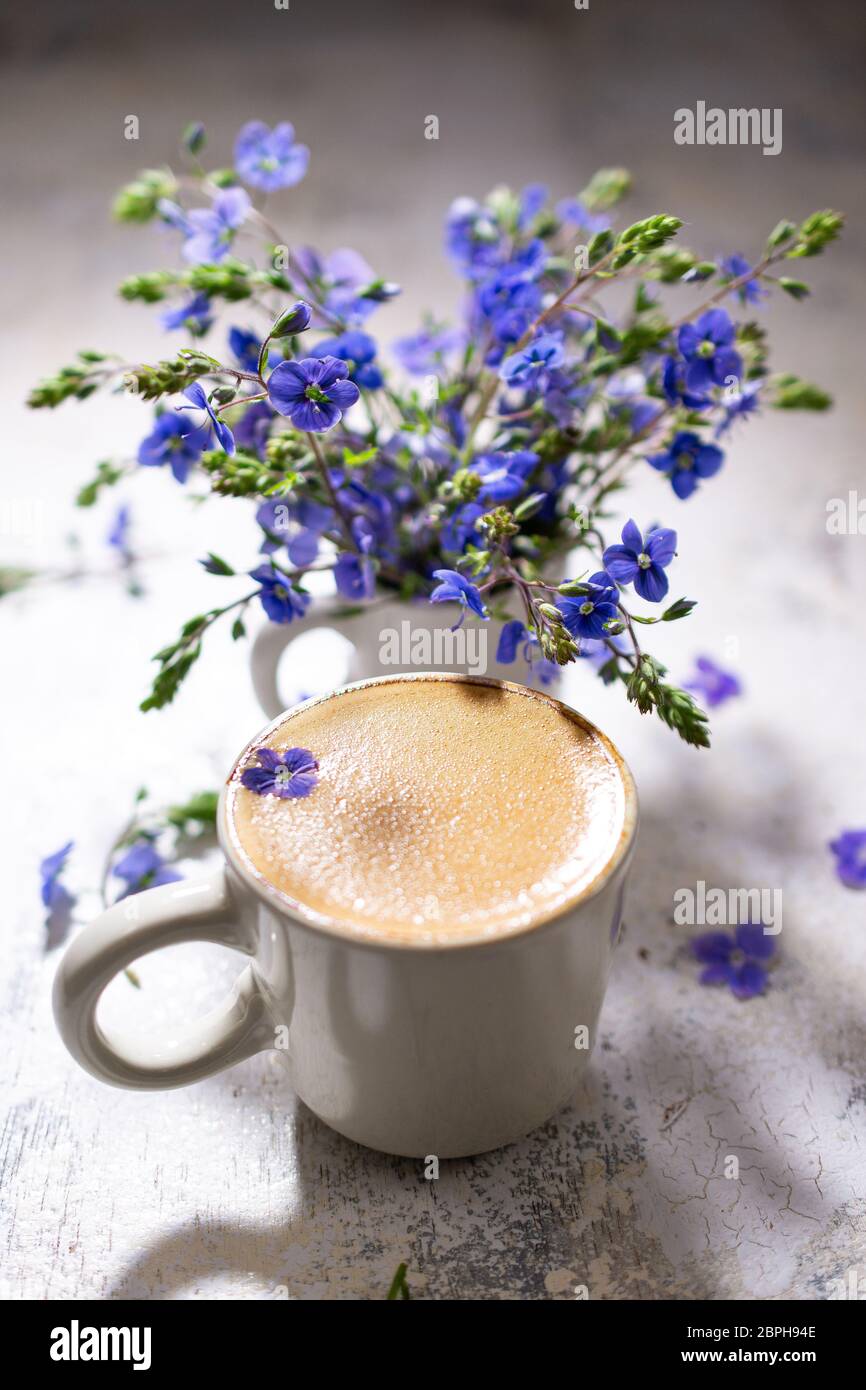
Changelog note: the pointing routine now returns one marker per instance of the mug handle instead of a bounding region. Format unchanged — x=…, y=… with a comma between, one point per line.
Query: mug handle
x=272, y=639
x=200, y=910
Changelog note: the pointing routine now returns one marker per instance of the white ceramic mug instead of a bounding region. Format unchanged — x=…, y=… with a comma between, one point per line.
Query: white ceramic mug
x=446, y=1049
x=385, y=636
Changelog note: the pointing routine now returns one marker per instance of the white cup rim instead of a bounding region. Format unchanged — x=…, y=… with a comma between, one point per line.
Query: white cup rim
x=304, y=916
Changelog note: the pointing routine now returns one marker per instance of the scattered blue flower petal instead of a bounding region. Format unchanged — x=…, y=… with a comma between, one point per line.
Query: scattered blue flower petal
x=850, y=851
x=737, y=960
x=712, y=684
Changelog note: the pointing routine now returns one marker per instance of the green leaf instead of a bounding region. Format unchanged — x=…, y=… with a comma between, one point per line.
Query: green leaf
x=137, y=202
x=107, y=475
x=199, y=812
x=352, y=460
x=795, y=288
x=782, y=232
x=399, y=1288
x=606, y=187
x=790, y=393
x=680, y=609
x=217, y=565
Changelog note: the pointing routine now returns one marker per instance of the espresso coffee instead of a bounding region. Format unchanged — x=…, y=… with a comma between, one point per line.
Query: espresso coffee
x=446, y=809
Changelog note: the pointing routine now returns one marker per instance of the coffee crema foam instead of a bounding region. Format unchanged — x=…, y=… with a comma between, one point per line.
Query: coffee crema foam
x=445, y=809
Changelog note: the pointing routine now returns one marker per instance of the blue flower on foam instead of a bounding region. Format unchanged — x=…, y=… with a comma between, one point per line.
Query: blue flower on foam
x=291, y=773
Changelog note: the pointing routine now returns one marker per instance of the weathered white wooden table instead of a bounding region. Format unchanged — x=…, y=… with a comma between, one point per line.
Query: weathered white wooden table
x=230, y=1189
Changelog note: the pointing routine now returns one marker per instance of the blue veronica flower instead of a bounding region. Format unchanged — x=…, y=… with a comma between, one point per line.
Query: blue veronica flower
x=675, y=388
x=714, y=685
x=533, y=200
x=564, y=395
x=752, y=292
x=461, y=528
x=598, y=653
x=686, y=461
x=348, y=288
x=524, y=368
x=118, y=534
x=142, y=866
x=354, y=574
x=313, y=392
x=359, y=351
x=738, y=960
x=503, y=475
x=252, y=430
x=424, y=353
x=850, y=851
x=745, y=403
x=195, y=315
x=246, y=347
x=270, y=159
x=208, y=232
x=195, y=394
x=280, y=600
x=291, y=773
x=455, y=588
x=515, y=637
x=586, y=614
x=55, y=895
x=174, y=440
x=706, y=347
x=642, y=562
x=473, y=238
x=306, y=520
x=576, y=214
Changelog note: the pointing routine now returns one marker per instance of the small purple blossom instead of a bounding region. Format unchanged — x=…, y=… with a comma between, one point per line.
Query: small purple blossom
x=291, y=773
x=587, y=614
x=209, y=232
x=850, y=851
x=270, y=159
x=706, y=347
x=358, y=351
x=313, y=392
x=686, y=461
x=349, y=289
x=354, y=573
x=455, y=588
x=118, y=534
x=503, y=475
x=195, y=394
x=515, y=638
x=423, y=353
x=142, y=866
x=524, y=368
x=745, y=403
x=751, y=292
x=714, y=685
x=738, y=960
x=280, y=600
x=472, y=238
x=174, y=440
x=56, y=897
x=194, y=315
x=642, y=562
x=576, y=214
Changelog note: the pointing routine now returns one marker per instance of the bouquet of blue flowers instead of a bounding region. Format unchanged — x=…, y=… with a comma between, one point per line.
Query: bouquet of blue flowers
x=491, y=450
